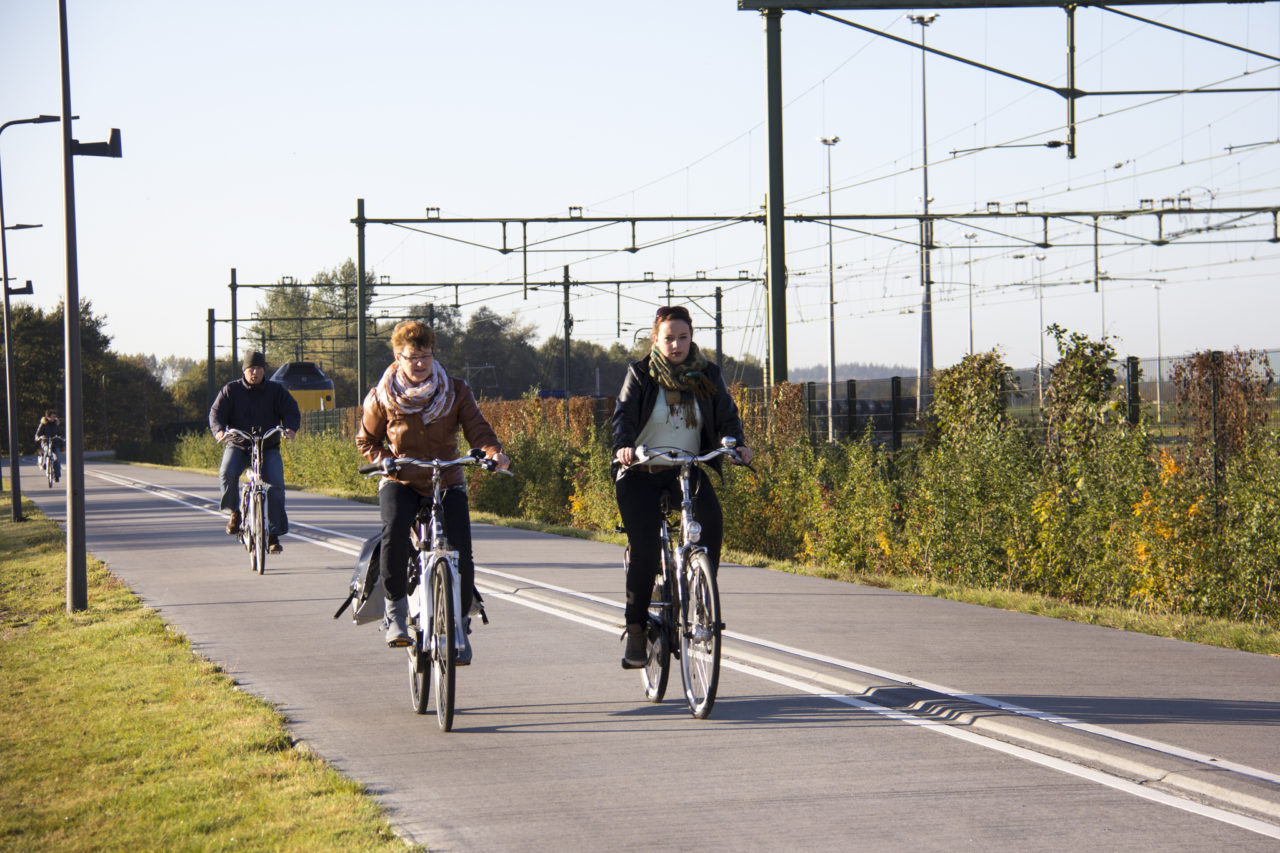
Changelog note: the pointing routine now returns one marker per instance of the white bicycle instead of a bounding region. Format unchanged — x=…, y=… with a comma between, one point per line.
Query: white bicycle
x=436, y=624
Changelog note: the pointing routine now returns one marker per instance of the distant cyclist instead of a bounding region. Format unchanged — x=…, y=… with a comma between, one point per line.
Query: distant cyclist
x=249, y=403
x=50, y=430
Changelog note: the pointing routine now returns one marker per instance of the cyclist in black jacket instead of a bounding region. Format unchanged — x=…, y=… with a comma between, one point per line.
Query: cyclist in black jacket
x=249, y=403
x=673, y=397
x=49, y=429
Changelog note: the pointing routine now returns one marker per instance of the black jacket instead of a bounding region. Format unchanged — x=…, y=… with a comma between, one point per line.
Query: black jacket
x=48, y=429
x=247, y=407
x=718, y=413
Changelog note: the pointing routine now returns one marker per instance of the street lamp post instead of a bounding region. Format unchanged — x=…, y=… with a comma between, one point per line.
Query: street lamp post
x=11, y=395
x=829, y=142
x=971, y=237
x=77, y=570
x=923, y=392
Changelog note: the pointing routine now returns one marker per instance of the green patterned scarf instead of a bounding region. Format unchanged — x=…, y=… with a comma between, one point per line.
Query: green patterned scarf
x=685, y=383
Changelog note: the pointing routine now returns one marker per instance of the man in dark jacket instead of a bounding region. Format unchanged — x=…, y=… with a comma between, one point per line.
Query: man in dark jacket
x=246, y=404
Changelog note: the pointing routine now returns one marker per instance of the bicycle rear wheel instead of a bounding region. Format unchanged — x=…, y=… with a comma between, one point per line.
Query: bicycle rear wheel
x=419, y=652
x=419, y=672
x=443, y=654
x=700, y=636
x=260, y=532
x=657, y=666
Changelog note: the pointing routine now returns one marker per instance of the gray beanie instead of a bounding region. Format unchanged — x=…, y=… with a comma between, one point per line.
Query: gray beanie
x=253, y=358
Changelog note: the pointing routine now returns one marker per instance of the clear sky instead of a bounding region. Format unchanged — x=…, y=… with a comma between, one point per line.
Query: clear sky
x=251, y=128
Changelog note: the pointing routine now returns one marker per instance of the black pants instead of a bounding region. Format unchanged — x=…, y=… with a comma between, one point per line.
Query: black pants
x=399, y=505
x=638, y=495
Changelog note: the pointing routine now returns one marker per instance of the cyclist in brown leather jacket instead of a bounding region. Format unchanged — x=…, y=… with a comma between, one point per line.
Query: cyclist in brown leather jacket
x=416, y=410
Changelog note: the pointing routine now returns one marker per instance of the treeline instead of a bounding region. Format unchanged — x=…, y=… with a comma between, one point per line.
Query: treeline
x=122, y=398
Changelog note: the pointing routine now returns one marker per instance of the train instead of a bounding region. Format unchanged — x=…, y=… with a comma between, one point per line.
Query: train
x=308, y=385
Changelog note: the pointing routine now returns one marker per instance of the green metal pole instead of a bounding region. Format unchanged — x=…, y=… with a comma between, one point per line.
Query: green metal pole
x=774, y=204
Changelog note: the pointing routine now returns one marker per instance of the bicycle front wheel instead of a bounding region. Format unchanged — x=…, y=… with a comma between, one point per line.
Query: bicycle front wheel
x=443, y=654
x=700, y=636
x=260, y=532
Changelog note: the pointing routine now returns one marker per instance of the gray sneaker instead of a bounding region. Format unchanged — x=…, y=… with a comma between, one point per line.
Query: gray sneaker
x=396, y=618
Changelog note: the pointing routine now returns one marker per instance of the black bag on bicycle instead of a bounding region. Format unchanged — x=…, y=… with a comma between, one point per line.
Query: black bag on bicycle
x=365, y=587
x=366, y=590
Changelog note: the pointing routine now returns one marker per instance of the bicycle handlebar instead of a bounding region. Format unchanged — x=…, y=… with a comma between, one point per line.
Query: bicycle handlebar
x=275, y=429
x=645, y=454
x=436, y=464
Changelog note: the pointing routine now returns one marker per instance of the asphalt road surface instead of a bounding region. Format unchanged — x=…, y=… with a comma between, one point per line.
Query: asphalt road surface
x=848, y=718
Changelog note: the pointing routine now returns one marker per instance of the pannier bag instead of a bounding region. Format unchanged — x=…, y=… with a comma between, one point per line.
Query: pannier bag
x=365, y=588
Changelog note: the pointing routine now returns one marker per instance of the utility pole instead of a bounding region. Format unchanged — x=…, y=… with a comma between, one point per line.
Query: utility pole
x=923, y=386
x=568, y=326
x=775, y=218
x=829, y=142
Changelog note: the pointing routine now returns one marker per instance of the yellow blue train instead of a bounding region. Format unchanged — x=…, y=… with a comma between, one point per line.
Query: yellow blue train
x=308, y=385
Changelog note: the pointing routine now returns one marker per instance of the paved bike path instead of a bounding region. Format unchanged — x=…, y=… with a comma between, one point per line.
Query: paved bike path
x=534, y=674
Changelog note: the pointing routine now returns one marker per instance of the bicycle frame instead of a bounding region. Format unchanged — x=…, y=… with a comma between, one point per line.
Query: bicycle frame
x=252, y=492
x=48, y=460
x=688, y=623
x=432, y=546
x=433, y=556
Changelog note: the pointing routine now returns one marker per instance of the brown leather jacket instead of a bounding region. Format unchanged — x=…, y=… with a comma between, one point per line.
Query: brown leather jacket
x=390, y=433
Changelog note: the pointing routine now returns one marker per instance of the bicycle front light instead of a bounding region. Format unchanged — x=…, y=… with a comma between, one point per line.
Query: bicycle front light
x=694, y=530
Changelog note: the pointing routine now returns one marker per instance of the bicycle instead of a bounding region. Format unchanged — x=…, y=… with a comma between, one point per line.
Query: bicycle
x=48, y=460
x=253, y=501
x=436, y=630
x=684, y=613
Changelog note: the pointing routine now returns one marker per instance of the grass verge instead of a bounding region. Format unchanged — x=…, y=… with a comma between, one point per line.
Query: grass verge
x=115, y=735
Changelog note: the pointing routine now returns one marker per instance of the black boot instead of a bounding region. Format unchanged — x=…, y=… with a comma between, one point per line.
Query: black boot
x=634, y=655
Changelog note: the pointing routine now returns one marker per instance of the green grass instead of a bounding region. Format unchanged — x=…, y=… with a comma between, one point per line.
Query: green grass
x=114, y=735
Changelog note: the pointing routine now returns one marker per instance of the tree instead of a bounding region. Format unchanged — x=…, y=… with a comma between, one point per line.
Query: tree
x=120, y=396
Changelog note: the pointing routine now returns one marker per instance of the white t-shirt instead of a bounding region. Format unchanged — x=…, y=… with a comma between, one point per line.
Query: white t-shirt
x=666, y=427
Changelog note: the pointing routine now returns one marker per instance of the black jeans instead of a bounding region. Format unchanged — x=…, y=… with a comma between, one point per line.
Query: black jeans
x=638, y=495
x=399, y=505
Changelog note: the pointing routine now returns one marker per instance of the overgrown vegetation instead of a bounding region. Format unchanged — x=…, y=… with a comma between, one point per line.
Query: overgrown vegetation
x=1095, y=514
x=86, y=695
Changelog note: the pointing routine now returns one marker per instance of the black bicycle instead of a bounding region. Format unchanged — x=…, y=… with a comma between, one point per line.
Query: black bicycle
x=436, y=627
x=253, y=500
x=684, y=613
